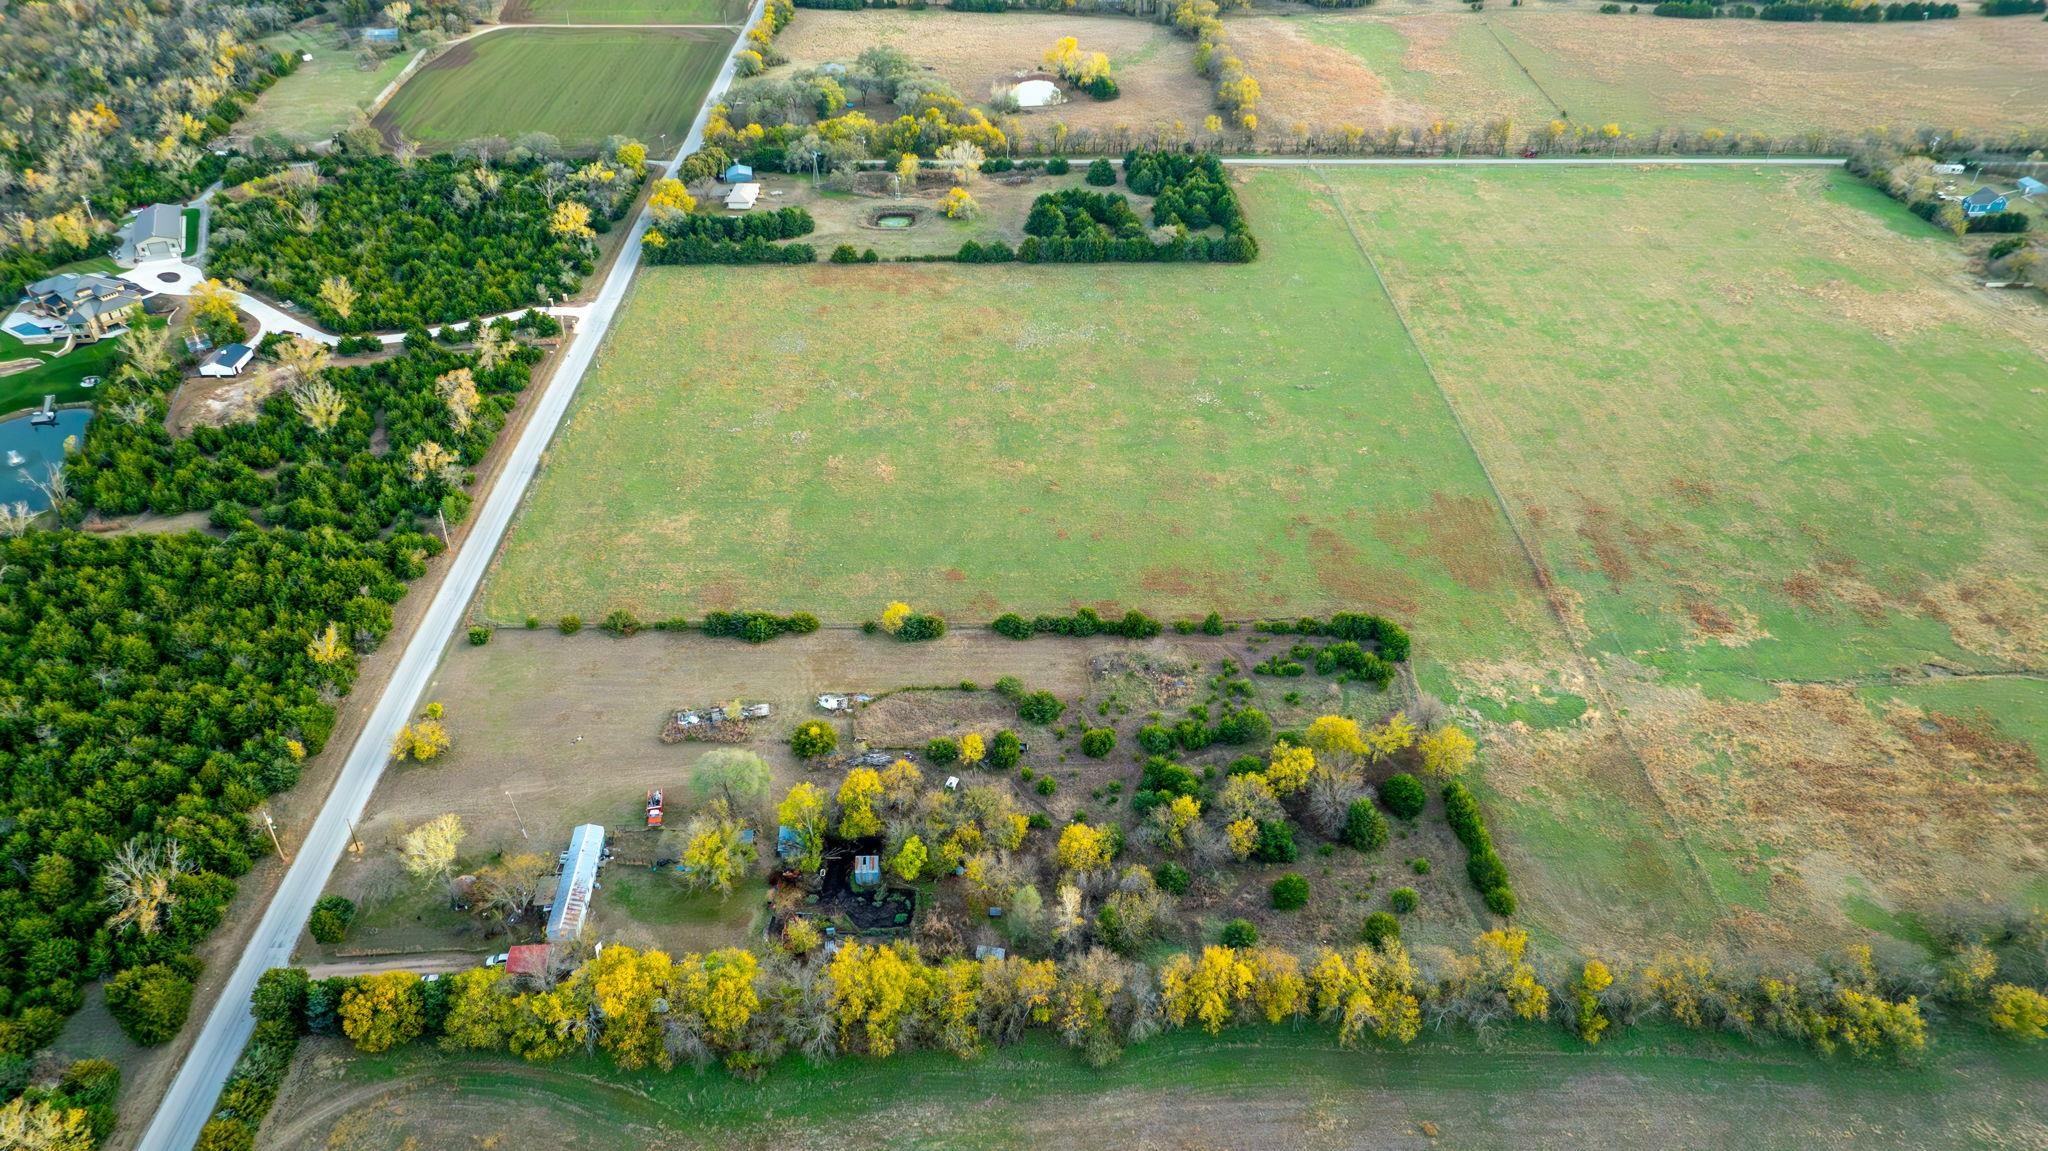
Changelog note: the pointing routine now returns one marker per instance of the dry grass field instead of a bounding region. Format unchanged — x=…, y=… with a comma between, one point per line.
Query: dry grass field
x=1643, y=72
x=973, y=52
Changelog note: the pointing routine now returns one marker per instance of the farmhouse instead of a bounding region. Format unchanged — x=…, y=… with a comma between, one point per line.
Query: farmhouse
x=75, y=305
x=1983, y=202
x=155, y=233
x=579, y=882
x=742, y=197
x=227, y=361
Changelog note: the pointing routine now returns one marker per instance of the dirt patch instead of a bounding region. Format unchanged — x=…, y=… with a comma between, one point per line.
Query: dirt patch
x=1463, y=533
x=1154, y=69
x=1597, y=528
x=1994, y=614
x=910, y=719
x=1343, y=571
x=217, y=403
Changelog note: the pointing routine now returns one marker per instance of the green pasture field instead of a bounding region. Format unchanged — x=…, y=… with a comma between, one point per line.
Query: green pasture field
x=625, y=11
x=579, y=85
x=1248, y=1088
x=1774, y=442
x=317, y=100
x=1258, y=440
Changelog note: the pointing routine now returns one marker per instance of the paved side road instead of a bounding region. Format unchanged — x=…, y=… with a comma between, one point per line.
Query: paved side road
x=190, y=1100
x=1535, y=161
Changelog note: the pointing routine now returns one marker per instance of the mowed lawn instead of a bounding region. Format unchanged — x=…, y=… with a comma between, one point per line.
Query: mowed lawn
x=1258, y=440
x=625, y=11
x=579, y=85
x=322, y=94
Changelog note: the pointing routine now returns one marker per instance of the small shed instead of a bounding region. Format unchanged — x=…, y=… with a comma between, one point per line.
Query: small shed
x=1983, y=202
x=867, y=870
x=742, y=197
x=380, y=35
x=2030, y=187
x=738, y=174
x=984, y=951
x=527, y=959
x=227, y=361
x=1947, y=169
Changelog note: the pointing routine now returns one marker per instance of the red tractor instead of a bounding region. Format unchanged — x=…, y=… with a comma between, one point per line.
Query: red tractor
x=654, y=808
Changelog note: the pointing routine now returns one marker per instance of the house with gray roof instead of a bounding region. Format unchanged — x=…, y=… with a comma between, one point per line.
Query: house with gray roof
x=81, y=305
x=155, y=233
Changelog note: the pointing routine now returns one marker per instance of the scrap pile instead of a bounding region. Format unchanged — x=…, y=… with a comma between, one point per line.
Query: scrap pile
x=724, y=724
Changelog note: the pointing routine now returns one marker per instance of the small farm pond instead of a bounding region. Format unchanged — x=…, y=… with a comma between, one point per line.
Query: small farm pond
x=28, y=449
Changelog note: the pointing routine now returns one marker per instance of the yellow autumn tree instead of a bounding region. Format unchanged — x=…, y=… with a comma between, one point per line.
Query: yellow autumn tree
x=910, y=860
x=327, y=647
x=1207, y=990
x=803, y=812
x=571, y=221
x=624, y=986
x=959, y=205
x=1337, y=736
x=1384, y=739
x=381, y=1011
x=715, y=850
x=1289, y=769
x=894, y=615
x=631, y=155
x=1279, y=993
x=857, y=796
x=972, y=749
x=1083, y=848
x=719, y=989
x=1370, y=990
x=339, y=295
x=874, y=992
x=1243, y=837
x=1174, y=818
x=670, y=199
x=1593, y=979
x=1446, y=752
x=2020, y=1012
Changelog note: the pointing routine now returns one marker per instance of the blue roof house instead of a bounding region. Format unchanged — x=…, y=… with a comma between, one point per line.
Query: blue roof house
x=1983, y=202
x=738, y=174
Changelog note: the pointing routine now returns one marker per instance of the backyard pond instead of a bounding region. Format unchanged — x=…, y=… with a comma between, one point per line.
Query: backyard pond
x=28, y=450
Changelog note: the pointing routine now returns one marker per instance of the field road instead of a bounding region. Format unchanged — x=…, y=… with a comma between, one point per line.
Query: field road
x=189, y=1102
x=1533, y=162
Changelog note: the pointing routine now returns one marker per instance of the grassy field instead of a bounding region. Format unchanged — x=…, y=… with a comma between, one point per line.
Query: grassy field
x=319, y=99
x=1025, y=438
x=59, y=375
x=578, y=85
x=1643, y=73
x=1252, y=1089
x=625, y=11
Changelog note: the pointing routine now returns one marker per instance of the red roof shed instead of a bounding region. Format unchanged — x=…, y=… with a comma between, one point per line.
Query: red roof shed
x=528, y=959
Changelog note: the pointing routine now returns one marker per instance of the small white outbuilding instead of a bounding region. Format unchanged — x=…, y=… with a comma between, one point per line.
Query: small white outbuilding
x=1037, y=94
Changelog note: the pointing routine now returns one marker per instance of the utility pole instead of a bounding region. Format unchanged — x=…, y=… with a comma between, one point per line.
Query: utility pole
x=355, y=845
x=516, y=818
x=270, y=825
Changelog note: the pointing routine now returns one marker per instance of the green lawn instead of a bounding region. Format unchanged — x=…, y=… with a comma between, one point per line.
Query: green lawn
x=625, y=11
x=320, y=98
x=59, y=375
x=1175, y=438
x=578, y=85
x=1251, y=1088
x=192, y=217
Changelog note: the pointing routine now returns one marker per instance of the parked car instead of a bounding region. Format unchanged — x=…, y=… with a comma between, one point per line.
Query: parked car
x=498, y=960
x=89, y=382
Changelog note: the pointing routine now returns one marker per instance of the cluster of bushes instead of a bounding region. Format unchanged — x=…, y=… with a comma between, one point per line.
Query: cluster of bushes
x=2012, y=7
x=1075, y=225
x=765, y=121
x=1998, y=222
x=392, y=246
x=749, y=239
x=1235, y=726
x=758, y=626
x=1687, y=9
x=848, y=254
x=1189, y=190
x=1482, y=863
x=1836, y=13
x=1040, y=707
x=1085, y=622
x=1389, y=639
x=1348, y=661
x=75, y=1115
x=331, y=918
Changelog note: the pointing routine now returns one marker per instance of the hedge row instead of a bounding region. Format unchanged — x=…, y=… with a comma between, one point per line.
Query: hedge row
x=758, y=626
x=1390, y=638
x=280, y=1009
x=1482, y=863
x=1085, y=622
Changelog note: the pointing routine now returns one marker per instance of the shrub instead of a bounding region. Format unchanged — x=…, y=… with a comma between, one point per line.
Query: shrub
x=1155, y=738
x=621, y=623
x=758, y=626
x=1404, y=900
x=1245, y=725
x=331, y=918
x=1404, y=796
x=1046, y=785
x=569, y=624
x=1172, y=878
x=533, y=623
x=280, y=1000
x=1097, y=742
x=150, y=1003
x=1240, y=933
x=1501, y=901
x=479, y=636
x=1057, y=166
x=1101, y=173
x=845, y=254
x=1365, y=829
x=1486, y=870
x=1276, y=842
x=1381, y=929
x=1040, y=707
x=1461, y=811
x=1012, y=625
x=1290, y=892
x=943, y=750
x=1005, y=750
x=1419, y=865
x=813, y=738
x=919, y=626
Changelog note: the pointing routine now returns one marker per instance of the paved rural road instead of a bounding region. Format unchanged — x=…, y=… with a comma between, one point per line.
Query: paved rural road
x=189, y=1102
x=1517, y=161
x=1520, y=162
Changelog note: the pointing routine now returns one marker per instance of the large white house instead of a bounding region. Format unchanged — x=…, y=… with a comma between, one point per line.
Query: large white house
x=83, y=305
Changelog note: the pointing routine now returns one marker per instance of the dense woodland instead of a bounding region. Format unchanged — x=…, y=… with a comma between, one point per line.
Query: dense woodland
x=114, y=101
x=154, y=688
x=374, y=242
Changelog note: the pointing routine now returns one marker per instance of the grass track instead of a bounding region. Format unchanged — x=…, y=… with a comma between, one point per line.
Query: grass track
x=579, y=85
x=1253, y=1088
